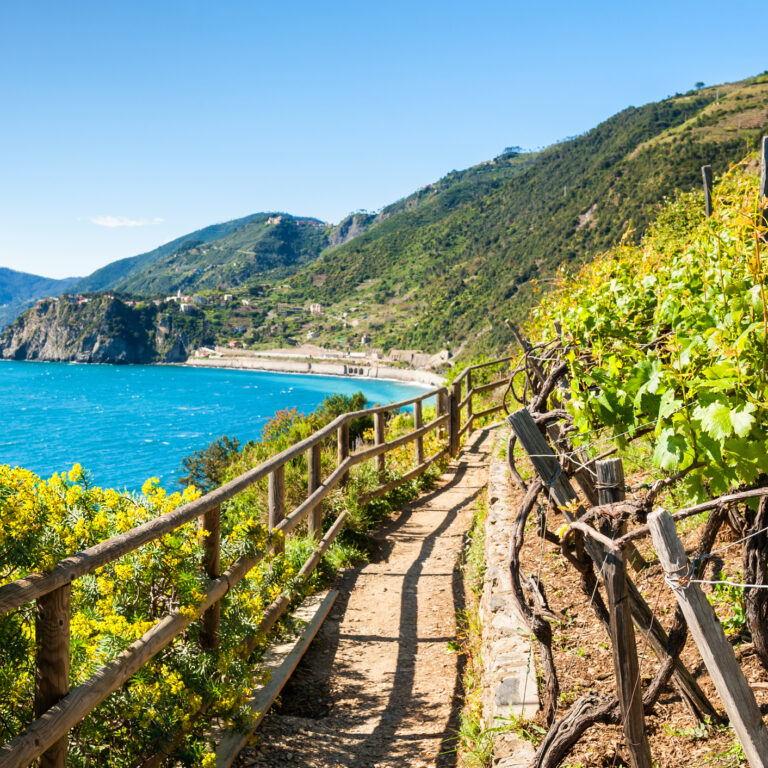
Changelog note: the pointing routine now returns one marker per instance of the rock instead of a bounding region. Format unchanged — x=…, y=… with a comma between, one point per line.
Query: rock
x=101, y=329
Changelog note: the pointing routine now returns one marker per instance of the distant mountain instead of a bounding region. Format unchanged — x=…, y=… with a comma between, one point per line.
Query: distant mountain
x=220, y=256
x=19, y=290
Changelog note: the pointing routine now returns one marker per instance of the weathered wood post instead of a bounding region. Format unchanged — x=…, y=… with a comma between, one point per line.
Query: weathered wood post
x=314, y=481
x=610, y=481
x=52, y=613
x=276, y=502
x=764, y=180
x=209, y=637
x=455, y=422
x=469, y=401
x=378, y=435
x=441, y=407
x=418, y=423
x=342, y=450
x=715, y=650
x=562, y=495
x=610, y=488
x=706, y=178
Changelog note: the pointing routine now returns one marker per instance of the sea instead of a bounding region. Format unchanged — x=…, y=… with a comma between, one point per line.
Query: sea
x=127, y=423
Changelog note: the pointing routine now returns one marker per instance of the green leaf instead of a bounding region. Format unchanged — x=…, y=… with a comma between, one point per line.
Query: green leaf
x=743, y=420
x=669, y=449
x=715, y=419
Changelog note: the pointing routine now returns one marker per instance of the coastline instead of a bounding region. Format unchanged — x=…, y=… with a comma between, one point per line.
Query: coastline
x=312, y=367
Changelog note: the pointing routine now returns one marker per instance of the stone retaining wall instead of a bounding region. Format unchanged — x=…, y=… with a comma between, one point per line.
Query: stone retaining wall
x=509, y=674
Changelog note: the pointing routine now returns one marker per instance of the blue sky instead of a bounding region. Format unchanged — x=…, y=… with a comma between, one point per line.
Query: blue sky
x=126, y=124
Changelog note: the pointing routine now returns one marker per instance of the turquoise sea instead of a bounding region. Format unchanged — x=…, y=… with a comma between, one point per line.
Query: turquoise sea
x=128, y=423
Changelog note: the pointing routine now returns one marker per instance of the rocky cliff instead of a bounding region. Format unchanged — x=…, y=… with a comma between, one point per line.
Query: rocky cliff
x=102, y=329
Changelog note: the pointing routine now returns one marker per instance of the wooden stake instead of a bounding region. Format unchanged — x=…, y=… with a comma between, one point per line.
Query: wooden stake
x=52, y=663
x=276, y=501
x=625, y=661
x=314, y=481
x=706, y=177
x=716, y=651
x=212, y=562
x=610, y=489
x=764, y=180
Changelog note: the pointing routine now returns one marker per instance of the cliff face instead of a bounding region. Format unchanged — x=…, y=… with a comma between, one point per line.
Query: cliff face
x=102, y=330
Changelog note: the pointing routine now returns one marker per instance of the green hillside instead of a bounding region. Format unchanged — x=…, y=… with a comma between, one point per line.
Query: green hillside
x=446, y=271
x=116, y=272
x=18, y=290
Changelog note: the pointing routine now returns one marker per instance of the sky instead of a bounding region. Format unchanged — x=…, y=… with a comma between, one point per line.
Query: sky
x=125, y=124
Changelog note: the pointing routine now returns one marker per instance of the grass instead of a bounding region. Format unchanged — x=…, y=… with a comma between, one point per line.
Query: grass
x=474, y=740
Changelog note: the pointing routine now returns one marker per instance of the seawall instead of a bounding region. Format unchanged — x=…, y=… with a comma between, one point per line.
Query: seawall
x=319, y=368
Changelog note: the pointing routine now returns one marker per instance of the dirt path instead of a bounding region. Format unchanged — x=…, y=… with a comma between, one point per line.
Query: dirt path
x=379, y=687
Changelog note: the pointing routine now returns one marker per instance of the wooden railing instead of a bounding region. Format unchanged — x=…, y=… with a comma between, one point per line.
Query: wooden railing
x=462, y=412
x=59, y=709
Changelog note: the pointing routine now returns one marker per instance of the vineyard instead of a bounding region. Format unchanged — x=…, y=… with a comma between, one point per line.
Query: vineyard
x=648, y=394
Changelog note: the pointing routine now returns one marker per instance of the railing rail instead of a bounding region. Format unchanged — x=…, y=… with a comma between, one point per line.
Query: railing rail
x=61, y=709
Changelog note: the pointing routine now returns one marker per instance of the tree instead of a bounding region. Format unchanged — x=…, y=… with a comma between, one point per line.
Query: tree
x=700, y=84
x=207, y=467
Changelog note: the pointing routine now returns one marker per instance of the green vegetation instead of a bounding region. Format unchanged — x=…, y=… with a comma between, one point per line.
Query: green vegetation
x=475, y=741
x=673, y=332
x=18, y=290
x=444, y=266
x=266, y=246
x=446, y=272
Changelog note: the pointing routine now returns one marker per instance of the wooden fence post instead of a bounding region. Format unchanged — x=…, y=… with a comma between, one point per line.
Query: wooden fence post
x=610, y=481
x=209, y=637
x=715, y=650
x=418, y=423
x=455, y=422
x=562, y=495
x=610, y=489
x=342, y=450
x=378, y=436
x=52, y=614
x=470, y=412
x=706, y=177
x=764, y=178
x=276, y=501
x=314, y=481
x=441, y=407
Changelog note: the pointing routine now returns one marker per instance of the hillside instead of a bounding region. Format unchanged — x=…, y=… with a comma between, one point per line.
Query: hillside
x=18, y=290
x=447, y=271
x=442, y=267
x=221, y=255
x=272, y=246
x=105, y=329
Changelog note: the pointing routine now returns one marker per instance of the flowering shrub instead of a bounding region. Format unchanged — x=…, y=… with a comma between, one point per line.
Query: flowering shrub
x=46, y=520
